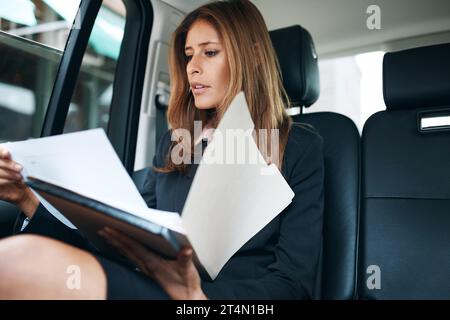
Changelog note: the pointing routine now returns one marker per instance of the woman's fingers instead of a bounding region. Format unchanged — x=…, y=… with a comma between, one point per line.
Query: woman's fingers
x=5, y=154
x=152, y=260
x=10, y=175
x=8, y=182
x=7, y=164
x=6, y=161
x=9, y=169
x=4, y=182
x=126, y=251
x=128, y=242
x=185, y=257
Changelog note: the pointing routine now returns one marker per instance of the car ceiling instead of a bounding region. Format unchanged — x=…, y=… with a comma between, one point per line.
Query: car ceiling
x=339, y=26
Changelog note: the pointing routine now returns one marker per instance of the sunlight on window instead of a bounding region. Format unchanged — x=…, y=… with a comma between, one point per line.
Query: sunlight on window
x=351, y=86
x=371, y=67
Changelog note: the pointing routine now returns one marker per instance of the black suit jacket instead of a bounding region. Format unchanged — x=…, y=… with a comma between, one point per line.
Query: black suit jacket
x=279, y=262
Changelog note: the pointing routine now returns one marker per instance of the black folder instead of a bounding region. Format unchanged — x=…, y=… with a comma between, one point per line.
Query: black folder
x=90, y=216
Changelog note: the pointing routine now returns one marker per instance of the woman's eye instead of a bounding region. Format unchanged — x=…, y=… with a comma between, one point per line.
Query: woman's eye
x=211, y=53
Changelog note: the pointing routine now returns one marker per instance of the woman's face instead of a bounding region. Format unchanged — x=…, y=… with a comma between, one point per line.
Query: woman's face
x=207, y=67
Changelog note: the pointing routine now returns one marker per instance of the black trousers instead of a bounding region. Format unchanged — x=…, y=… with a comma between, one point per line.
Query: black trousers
x=123, y=283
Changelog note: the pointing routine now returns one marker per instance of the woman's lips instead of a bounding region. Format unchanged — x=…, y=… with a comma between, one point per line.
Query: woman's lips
x=199, y=90
x=198, y=87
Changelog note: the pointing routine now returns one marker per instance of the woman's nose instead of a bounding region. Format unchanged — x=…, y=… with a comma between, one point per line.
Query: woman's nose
x=194, y=66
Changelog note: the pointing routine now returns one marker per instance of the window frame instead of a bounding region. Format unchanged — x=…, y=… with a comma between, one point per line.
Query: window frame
x=128, y=82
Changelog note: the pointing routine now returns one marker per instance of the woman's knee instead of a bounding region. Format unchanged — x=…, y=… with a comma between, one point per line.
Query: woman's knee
x=15, y=248
x=49, y=268
x=33, y=249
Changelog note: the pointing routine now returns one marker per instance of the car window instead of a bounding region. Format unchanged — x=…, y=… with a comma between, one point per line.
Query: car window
x=352, y=86
x=32, y=40
x=33, y=36
x=91, y=100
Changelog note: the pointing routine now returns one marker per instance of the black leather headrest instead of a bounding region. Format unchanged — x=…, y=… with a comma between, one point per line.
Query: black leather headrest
x=298, y=60
x=417, y=78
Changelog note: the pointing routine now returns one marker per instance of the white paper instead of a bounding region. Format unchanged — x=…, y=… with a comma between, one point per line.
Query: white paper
x=229, y=203
x=86, y=163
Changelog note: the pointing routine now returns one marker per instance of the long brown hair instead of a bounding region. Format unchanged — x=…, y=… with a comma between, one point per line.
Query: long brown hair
x=253, y=69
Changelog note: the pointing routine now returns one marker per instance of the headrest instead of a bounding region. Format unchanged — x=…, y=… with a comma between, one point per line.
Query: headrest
x=417, y=78
x=298, y=61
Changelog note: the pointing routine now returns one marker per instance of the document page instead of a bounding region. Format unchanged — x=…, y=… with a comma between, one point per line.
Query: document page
x=86, y=163
x=228, y=203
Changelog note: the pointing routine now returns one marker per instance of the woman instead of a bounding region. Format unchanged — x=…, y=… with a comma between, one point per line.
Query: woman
x=218, y=50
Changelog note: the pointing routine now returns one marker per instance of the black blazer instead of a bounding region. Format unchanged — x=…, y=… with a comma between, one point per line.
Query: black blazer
x=279, y=262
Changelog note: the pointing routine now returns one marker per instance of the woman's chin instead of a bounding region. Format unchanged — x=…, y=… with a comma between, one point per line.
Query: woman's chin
x=204, y=106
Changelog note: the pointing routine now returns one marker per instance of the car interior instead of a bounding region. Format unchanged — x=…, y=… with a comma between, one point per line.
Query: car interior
x=387, y=167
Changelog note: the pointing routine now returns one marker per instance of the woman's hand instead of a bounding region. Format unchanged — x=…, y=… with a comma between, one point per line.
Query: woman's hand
x=12, y=187
x=179, y=278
